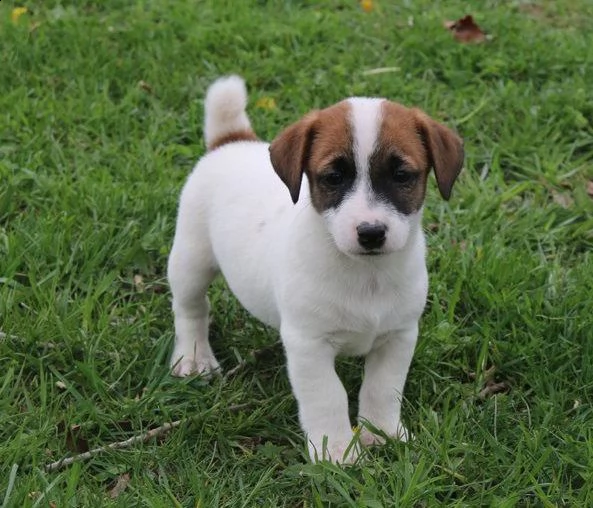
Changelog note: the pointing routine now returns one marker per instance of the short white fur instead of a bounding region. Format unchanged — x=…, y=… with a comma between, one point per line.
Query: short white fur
x=281, y=261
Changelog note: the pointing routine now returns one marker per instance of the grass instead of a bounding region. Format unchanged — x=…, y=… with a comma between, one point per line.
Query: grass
x=101, y=110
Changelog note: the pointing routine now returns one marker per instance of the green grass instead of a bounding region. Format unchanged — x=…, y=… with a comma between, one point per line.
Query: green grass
x=91, y=165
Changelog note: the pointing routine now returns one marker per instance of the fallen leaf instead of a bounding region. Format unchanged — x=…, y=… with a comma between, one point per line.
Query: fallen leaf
x=266, y=103
x=465, y=30
x=75, y=442
x=122, y=483
x=139, y=283
x=34, y=26
x=562, y=198
x=590, y=188
x=492, y=388
x=144, y=86
x=367, y=5
x=16, y=13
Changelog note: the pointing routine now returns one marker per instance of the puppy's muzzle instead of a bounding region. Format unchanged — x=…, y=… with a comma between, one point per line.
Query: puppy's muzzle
x=371, y=236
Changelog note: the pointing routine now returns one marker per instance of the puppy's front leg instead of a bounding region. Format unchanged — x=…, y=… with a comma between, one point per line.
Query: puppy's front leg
x=385, y=372
x=321, y=397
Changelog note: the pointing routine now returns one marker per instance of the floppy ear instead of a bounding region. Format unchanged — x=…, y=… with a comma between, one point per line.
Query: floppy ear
x=290, y=152
x=445, y=151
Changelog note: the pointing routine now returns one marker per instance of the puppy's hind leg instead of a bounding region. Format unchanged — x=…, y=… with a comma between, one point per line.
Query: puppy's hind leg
x=190, y=273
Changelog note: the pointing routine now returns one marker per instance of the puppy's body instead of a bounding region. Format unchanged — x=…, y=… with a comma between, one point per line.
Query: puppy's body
x=340, y=271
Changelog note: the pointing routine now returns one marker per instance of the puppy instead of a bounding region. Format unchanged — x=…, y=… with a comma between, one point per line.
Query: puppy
x=336, y=264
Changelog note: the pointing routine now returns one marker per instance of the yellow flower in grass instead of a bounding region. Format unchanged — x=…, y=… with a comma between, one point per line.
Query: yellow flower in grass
x=16, y=13
x=367, y=5
x=266, y=103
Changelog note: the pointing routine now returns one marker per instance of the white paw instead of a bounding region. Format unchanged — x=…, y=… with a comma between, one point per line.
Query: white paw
x=399, y=432
x=344, y=451
x=183, y=367
x=204, y=366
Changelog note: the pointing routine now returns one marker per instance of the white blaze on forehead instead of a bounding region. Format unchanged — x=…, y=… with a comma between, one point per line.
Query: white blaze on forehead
x=365, y=119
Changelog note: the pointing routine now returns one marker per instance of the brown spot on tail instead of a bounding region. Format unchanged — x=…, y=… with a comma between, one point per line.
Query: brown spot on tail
x=233, y=137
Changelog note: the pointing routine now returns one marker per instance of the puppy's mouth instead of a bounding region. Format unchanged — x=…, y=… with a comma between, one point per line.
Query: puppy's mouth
x=372, y=253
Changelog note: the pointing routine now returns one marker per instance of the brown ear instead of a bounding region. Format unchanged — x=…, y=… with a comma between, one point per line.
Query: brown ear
x=290, y=151
x=445, y=151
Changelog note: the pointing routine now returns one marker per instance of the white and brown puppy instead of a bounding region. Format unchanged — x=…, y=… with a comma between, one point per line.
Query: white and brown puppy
x=337, y=264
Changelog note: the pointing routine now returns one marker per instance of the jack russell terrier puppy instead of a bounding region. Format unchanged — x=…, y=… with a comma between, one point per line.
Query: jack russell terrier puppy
x=336, y=264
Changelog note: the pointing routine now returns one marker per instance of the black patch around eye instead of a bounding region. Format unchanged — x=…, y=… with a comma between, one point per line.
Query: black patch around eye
x=339, y=173
x=332, y=178
x=399, y=171
x=396, y=182
x=330, y=186
x=403, y=177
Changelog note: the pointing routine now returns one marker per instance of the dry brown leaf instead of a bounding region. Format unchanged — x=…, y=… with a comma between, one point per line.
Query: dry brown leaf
x=492, y=388
x=34, y=26
x=139, y=283
x=590, y=188
x=145, y=86
x=466, y=30
x=75, y=442
x=562, y=198
x=122, y=484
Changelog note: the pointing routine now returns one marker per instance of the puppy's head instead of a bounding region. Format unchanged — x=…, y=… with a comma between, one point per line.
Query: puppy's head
x=367, y=163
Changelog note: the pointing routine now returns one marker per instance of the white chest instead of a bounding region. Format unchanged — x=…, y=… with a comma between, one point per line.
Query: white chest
x=352, y=318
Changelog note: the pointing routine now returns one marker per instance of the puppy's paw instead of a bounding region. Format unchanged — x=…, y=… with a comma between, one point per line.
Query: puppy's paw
x=204, y=366
x=369, y=438
x=344, y=451
x=183, y=367
x=207, y=366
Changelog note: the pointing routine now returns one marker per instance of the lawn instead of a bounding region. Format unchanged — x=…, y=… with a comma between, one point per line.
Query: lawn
x=100, y=123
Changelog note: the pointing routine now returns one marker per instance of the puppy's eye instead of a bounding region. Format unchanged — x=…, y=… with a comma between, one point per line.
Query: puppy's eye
x=333, y=178
x=402, y=176
x=339, y=171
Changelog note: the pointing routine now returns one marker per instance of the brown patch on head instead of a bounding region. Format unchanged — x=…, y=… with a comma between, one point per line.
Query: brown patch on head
x=232, y=137
x=408, y=145
x=399, y=165
x=320, y=145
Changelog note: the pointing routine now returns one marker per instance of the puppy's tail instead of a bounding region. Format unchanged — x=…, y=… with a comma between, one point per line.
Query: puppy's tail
x=225, y=118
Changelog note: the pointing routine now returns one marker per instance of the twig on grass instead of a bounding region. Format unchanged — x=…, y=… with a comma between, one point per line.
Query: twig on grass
x=59, y=464
x=66, y=461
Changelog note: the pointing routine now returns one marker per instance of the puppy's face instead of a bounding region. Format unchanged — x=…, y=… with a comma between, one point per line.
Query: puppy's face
x=367, y=163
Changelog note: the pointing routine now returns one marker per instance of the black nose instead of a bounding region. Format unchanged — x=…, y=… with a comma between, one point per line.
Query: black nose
x=371, y=236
